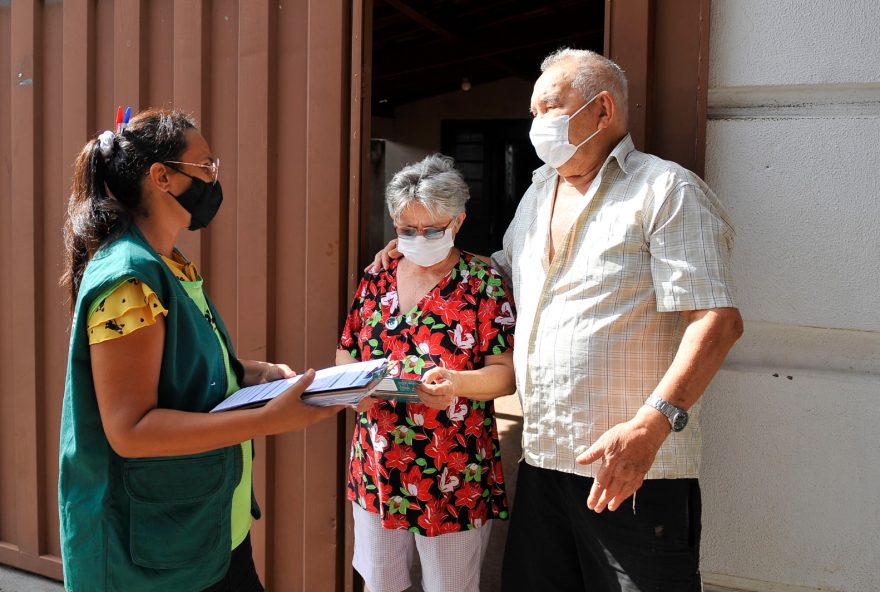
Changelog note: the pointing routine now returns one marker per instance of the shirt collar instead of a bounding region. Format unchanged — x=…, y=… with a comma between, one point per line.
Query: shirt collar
x=620, y=152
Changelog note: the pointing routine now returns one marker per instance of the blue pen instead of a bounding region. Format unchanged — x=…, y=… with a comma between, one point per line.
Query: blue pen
x=127, y=116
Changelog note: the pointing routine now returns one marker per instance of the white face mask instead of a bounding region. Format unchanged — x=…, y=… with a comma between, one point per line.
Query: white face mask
x=549, y=136
x=424, y=252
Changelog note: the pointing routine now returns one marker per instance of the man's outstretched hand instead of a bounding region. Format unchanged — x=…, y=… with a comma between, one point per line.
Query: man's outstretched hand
x=626, y=452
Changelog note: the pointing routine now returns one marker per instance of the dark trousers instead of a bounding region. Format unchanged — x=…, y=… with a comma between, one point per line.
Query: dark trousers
x=242, y=573
x=557, y=544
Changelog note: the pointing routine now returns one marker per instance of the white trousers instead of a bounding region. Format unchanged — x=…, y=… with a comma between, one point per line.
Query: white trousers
x=450, y=562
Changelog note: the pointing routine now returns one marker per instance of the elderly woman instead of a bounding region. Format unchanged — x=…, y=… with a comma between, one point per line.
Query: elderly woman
x=427, y=476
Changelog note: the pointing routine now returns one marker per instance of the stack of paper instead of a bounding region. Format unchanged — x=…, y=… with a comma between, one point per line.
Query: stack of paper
x=337, y=385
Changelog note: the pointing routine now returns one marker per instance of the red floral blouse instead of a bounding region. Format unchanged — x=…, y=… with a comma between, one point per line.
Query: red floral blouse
x=421, y=469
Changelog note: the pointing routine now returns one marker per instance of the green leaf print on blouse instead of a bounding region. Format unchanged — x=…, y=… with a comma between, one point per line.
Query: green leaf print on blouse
x=403, y=434
x=413, y=364
x=374, y=319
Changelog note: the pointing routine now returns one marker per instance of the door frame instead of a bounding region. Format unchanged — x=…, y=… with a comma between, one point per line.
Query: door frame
x=664, y=49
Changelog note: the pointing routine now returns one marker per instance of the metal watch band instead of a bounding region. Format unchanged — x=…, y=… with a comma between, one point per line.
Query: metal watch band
x=677, y=417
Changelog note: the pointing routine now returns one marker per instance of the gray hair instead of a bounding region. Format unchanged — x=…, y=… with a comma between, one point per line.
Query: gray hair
x=432, y=183
x=594, y=74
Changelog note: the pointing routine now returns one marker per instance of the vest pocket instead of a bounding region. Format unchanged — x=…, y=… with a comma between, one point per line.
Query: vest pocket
x=178, y=507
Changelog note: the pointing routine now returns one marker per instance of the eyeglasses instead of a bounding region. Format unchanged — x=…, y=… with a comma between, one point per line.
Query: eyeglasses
x=429, y=232
x=213, y=168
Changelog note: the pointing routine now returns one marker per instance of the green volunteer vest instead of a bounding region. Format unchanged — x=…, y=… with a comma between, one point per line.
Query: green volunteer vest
x=148, y=523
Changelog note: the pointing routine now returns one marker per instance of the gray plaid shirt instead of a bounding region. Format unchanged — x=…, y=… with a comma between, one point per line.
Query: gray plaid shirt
x=597, y=327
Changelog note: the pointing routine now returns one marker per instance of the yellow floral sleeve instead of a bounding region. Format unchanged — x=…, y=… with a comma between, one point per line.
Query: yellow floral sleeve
x=128, y=307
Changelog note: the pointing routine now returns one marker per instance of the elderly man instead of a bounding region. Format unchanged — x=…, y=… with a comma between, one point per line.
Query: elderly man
x=620, y=263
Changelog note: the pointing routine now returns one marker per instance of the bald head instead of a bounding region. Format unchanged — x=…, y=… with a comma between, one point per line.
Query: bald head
x=590, y=73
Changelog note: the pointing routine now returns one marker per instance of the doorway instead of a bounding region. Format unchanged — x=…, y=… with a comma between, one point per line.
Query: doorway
x=456, y=77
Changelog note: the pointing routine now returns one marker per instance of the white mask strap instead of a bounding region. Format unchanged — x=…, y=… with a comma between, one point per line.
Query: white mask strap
x=590, y=137
x=584, y=106
x=593, y=135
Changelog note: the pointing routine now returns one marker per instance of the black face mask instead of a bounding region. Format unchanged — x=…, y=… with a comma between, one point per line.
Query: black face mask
x=201, y=200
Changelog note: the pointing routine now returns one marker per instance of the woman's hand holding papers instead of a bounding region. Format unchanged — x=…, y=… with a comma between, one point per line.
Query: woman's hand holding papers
x=437, y=389
x=287, y=412
x=263, y=372
x=343, y=357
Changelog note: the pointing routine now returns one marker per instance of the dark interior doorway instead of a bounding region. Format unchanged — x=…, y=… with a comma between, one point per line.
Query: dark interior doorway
x=455, y=76
x=497, y=160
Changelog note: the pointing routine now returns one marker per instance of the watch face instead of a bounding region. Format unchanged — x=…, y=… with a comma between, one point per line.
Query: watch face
x=679, y=421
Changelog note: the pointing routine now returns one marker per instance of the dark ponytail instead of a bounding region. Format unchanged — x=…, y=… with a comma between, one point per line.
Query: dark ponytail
x=107, y=190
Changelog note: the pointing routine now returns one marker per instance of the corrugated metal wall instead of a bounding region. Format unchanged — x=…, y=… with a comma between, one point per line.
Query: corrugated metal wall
x=269, y=82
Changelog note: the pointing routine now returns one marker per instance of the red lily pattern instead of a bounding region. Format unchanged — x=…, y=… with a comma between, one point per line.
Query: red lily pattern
x=420, y=469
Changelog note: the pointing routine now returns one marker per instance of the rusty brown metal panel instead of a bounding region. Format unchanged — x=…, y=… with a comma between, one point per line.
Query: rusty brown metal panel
x=189, y=70
x=252, y=212
x=253, y=171
x=128, y=70
x=704, y=18
x=286, y=506
x=7, y=414
x=664, y=49
x=103, y=106
x=325, y=255
x=219, y=246
x=312, y=78
x=362, y=37
x=78, y=88
x=76, y=124
x=629, y=41
x=358, y=208
x=680, y=71
x=270, y=83
x=157, y=36
x=23, y=110
x=50, y=301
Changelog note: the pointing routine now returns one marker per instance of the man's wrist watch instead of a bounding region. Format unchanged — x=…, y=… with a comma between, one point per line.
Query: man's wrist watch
x=678, y=418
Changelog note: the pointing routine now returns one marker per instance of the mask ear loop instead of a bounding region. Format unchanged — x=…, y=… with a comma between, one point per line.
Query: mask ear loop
x=590, y=137
x=593, y=135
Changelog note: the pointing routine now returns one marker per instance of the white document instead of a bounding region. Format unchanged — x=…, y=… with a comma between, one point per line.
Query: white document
x=352, y=381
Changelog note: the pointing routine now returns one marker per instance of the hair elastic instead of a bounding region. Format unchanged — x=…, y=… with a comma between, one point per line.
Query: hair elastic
x=105, y=144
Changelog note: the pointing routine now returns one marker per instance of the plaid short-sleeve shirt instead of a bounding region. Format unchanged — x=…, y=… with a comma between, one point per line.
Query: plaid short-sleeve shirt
x=598, y=326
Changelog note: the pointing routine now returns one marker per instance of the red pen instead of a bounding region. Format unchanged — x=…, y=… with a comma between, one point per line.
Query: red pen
x=119, y=120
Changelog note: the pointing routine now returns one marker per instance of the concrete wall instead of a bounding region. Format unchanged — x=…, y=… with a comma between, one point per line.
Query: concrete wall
x=791, y=453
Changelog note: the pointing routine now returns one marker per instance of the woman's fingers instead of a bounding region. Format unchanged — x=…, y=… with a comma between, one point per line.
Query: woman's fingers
x=433, y=376
x=365, y=404
x=436, y=396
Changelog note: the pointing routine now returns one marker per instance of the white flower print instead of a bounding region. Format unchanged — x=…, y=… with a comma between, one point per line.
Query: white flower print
x=448, y=482
x=389, y=300
x=456, y=410
x=380, y=442
x=460, y=338
x=506, y=317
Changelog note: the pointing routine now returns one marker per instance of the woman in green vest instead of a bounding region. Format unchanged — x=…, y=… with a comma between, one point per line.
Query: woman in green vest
x=154, y=492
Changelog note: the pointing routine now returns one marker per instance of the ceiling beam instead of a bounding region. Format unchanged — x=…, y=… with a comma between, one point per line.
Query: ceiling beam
x=486, y=52
x=445, y=33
